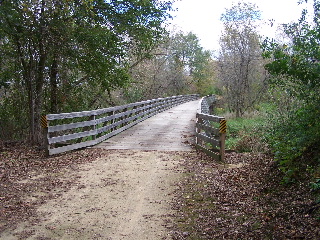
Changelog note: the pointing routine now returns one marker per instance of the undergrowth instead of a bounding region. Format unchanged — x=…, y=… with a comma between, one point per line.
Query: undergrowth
x=246, y=134
x=289, y=138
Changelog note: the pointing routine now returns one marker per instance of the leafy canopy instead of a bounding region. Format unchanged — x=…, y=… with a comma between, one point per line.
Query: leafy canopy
x=51, y=50
x=295, y=71
x=299, y=63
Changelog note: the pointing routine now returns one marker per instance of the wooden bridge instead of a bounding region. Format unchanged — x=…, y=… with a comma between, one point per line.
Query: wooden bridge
x=168, y=124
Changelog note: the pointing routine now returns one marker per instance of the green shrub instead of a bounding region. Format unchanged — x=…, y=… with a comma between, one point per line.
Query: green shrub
x=13, y=116
x=291, y=135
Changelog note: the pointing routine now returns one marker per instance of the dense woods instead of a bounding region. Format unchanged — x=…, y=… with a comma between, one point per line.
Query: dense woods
x=63, y=56
x=294, y=69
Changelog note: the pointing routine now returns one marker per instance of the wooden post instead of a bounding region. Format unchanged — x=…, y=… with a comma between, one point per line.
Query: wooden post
x=123, y=118
x=222, y=146
x=110, y=122
x=132, y=114
x=198, y=130
x=45, y=127
x=93, y=117
x=114, y=121
x=222, y=133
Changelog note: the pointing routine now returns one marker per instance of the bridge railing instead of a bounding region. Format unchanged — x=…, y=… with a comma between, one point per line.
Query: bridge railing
x=206, y=104
x=70, y=131
x=210, y=130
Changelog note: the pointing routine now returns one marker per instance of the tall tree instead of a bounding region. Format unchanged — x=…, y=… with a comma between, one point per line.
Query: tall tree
x=180, y=65
x=191, y=58
x=295, y=69
x=48, y=43
x=240, y=61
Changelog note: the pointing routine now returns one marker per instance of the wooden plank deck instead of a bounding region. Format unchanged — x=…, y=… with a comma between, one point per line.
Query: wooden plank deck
x=172, y=130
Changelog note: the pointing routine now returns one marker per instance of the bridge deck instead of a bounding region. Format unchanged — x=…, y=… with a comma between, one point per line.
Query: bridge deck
x=172, y=130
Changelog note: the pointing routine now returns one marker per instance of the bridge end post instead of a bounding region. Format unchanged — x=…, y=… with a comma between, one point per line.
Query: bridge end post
x=222, y=146
x=222, y=140
x=45, y=132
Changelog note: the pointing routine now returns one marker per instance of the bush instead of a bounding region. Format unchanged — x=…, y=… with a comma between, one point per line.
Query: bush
x=293, y=135
x=13, y=116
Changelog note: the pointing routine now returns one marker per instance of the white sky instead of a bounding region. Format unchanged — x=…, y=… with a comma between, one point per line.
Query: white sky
x=202, y=17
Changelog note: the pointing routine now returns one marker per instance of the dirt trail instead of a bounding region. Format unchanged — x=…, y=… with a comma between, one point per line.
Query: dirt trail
x=125, y=194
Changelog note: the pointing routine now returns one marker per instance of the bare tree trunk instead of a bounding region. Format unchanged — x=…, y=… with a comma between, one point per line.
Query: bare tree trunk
x=54, y=86
x=35, y=82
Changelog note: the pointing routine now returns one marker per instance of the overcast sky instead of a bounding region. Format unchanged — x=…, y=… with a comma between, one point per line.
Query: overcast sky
x=202, y=17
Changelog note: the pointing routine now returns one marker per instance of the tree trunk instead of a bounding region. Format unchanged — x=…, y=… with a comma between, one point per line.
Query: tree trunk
x=54, y=86
x=38, y=68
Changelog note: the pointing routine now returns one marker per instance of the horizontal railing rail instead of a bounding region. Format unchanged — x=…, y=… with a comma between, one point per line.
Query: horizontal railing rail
x=210, y=130
x=207, y=103
x=70, y=131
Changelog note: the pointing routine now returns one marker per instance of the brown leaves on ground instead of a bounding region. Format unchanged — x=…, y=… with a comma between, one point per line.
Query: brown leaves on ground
x=243, y=199
x=20, y=163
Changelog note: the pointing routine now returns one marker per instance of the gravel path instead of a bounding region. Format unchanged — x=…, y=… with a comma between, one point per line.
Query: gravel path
x=126, y=193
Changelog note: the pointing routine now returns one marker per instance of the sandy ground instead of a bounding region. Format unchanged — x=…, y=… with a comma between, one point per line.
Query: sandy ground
x=125, y=195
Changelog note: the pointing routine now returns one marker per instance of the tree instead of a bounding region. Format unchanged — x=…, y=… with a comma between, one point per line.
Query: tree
x=241, y=67
x=51, y=46
x=297, y=63
x=191, y=58
x=295, y=69
x=180, y=65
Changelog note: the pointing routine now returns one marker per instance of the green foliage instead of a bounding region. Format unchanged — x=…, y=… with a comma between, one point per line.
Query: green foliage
x=245, y=134
x=315, y=185
x=190, y=59
x=292, y=134
x=212, y=90
x=68, y=55
x=13, y=115
x=180, y=66
x=295, y=71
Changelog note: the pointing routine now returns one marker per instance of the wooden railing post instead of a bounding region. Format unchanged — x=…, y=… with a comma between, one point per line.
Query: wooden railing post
x=93, y=117
x=113, y=121
x=123, y=118
x=198, y=130
x=222, y=133
x=45, y=126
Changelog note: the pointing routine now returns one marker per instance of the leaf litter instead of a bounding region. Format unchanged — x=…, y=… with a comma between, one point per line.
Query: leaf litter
x=29, y=179
x=240, y=199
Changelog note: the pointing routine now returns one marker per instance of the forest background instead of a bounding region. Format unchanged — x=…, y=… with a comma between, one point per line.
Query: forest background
x=63, y=56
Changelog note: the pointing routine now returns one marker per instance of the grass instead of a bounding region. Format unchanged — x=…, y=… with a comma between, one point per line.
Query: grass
x=242, y=129
x=245, y=134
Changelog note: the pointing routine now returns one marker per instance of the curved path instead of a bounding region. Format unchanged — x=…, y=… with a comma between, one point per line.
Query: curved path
x=172, y=130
